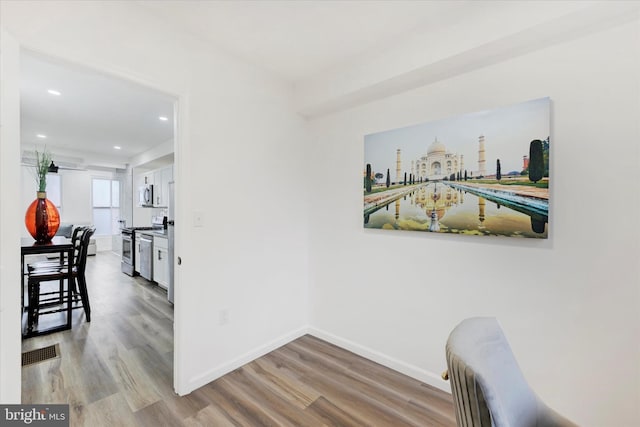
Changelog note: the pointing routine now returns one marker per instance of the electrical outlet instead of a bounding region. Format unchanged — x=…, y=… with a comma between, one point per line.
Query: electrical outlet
x=198, y=219
x=224, y=317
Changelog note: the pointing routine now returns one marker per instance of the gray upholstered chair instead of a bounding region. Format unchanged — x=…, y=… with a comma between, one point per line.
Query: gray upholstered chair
x=487, y=385
x=65, y=230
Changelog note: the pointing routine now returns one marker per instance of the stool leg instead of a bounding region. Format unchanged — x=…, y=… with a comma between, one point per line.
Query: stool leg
x=61, y=299
x=84, y=295
x=36, y=298
x=32, y=310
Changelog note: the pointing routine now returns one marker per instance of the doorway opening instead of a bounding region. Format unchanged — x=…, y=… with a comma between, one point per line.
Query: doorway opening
x=105, y=134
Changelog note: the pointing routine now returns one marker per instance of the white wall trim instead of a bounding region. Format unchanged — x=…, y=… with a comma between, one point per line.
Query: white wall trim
x=430, y=378
x=415, y=372
x=212, y=375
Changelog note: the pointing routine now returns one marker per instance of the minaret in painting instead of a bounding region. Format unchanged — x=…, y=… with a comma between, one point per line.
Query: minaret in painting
x=413, y=172
x=398, y=167
x=482, y=170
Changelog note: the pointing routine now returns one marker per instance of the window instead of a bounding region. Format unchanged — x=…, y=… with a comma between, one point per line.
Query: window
x=106, y=205
x=54, y=192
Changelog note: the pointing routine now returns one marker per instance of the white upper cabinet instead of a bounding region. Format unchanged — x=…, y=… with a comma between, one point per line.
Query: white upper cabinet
x=161, y=179
x=165, y=179
x=148, y=178
x=157, y=190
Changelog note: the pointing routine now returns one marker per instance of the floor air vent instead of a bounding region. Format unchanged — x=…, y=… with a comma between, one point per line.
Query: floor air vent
x=40, y=355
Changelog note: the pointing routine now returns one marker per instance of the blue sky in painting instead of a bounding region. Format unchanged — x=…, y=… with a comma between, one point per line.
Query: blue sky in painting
x=507, y=131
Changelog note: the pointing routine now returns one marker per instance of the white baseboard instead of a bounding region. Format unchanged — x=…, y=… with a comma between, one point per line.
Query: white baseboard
x=214, y=374
x=419, y=374
x=415, y=372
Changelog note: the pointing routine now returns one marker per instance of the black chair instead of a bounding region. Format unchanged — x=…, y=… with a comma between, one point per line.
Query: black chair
x=57, y=272
x=75, y=241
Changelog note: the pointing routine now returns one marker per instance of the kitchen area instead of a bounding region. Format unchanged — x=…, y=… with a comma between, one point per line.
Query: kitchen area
x=147, y=233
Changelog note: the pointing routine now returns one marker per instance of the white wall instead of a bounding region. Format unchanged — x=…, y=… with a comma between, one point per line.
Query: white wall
x=569, y=305
x=238, y=166
x=573, y=324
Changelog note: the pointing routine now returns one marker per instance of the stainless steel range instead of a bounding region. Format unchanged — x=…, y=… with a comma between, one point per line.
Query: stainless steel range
x=127, y=263
x=128, y=249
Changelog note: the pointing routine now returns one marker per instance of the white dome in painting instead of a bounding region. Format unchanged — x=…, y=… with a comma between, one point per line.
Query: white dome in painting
x=436, y=147
x=438, y=164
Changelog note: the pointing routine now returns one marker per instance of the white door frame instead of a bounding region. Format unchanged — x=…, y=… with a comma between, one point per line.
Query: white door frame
x=10, y=319
x=10, y=336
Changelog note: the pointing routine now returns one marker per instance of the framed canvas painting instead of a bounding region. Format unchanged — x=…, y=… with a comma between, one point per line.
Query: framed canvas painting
x=483, y=173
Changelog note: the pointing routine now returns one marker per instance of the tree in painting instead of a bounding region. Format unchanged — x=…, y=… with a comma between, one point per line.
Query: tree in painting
x=536, y=161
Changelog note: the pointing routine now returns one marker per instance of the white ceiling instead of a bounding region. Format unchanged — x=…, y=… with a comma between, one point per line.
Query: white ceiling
x=94, y=113
x=293, y=39
x=300, y=39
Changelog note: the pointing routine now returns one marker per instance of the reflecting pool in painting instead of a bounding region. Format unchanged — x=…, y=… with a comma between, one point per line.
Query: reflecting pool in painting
x=455, y=211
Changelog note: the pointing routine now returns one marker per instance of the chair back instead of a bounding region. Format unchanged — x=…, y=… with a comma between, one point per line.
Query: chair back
x=84, y=249
x=487, y=384
x=75, y=241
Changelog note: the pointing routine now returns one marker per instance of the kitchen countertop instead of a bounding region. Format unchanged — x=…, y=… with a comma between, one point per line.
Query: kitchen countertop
x=160, y=233
x=156, y=233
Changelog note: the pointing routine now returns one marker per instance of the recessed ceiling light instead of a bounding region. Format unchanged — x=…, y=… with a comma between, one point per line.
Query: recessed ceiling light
x=163, y=118
x=41, y=136
x=117, y=147
x=54, y=92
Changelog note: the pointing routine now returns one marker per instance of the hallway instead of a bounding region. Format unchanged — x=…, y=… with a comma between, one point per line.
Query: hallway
x=117, y=370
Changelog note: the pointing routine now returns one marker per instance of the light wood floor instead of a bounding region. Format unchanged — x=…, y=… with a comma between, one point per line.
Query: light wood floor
x=117, y=371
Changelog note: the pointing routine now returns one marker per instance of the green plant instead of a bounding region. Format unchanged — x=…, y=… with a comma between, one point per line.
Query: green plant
x=43, y=159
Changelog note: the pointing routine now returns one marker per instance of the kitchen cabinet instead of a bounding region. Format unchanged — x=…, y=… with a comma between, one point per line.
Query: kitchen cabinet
x=157, y=188
x=147, y=178
x=161, y=261
x=161, y=179
x=165, y=178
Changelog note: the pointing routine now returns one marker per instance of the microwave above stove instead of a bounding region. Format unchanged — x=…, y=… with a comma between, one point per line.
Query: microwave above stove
x=145, y=195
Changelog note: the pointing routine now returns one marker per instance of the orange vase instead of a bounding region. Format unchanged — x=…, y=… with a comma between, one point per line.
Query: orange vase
x=42, y=218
